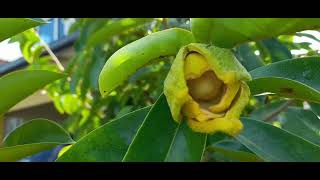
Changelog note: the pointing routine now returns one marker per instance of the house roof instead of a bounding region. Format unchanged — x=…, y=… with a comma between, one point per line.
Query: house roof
x=3, y=61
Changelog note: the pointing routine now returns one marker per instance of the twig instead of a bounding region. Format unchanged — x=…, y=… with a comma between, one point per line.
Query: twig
x=53, y=56
x=283, y=107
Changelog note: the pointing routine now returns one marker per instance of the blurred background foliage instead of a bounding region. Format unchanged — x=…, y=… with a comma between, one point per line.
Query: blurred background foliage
x=78, y=95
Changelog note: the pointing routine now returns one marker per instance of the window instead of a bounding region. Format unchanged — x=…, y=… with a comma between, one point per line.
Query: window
x=57, y=28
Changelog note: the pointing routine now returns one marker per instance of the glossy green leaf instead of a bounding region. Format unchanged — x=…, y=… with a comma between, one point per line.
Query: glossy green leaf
x=229, y=32
x=217, y=137
x=187, y=145
x=315, y=107
x=112, y=28
x=107, y=143
x=233, y=154
x=294, y=78
x=13, y=26
x=32, y=137
x=274, y=144
x=264, y=112
x=222, y=148
x=127, y=60
x=247, y=57
x=276, y=49
x=18, y=85
x=165, y=139
x=303, y=123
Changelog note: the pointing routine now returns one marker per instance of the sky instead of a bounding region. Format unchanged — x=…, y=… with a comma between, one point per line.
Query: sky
x=9, y=52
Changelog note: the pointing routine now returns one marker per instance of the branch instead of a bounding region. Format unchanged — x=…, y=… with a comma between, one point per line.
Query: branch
x=283, y=107
x=53, y=56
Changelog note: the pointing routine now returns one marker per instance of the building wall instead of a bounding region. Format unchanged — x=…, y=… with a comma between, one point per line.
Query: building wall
x=45, y=111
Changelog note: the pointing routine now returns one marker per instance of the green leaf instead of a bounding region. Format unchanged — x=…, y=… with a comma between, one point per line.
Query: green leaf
x=262, y=113
x=227, y=149
x=247, y=57
x=274, y=144
x=18, y=85
x=13, y=26
x=303, y=123
x=223, y=147
x=189, y=141
x=32, y=137
x=127, y=60
x=113, y=28
x=229, y=32
x=166, y=140
x=26, y=51
x=276, y=49
x=107, y=143
x=315, y=107
x=98, y=58
x=294, y=78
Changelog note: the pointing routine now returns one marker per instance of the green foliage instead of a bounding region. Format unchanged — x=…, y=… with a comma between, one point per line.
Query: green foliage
x=229, y=32
x=29, y=45
x=32, y=137
x=20, y=84
x=274, y=144
x=295, y=78
x=166, y=139
x=303, y=123
x=111, y=90
x=107, y=143
x=13, y=26
x=127, y=60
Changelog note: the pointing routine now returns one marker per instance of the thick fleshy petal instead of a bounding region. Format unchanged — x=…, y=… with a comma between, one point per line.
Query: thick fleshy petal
x=229, y=124
x=189, y=77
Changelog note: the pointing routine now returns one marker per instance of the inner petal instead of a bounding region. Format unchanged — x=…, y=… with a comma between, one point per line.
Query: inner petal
x=205, y=88
x=226, y=100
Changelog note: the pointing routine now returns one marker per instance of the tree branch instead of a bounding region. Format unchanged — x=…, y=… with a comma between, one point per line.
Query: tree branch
x=53, y=56
x=283, y=107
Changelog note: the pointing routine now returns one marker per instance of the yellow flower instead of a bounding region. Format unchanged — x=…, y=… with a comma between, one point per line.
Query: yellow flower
x=206, y=84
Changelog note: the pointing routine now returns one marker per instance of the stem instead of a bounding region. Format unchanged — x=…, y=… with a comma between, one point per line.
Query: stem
x=283, y=107
x=48, y=49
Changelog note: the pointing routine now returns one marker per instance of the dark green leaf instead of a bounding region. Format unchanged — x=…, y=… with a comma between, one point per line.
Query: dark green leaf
x=247, y=57
x=262, y=113
x=276, y=49
x=303, y=123
x=107, y=143
x=32, y=137
x=274, y=144
x=187, y=145
x=315, y=107
x=294, y=78
x=166, y=140
x=227, y=149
